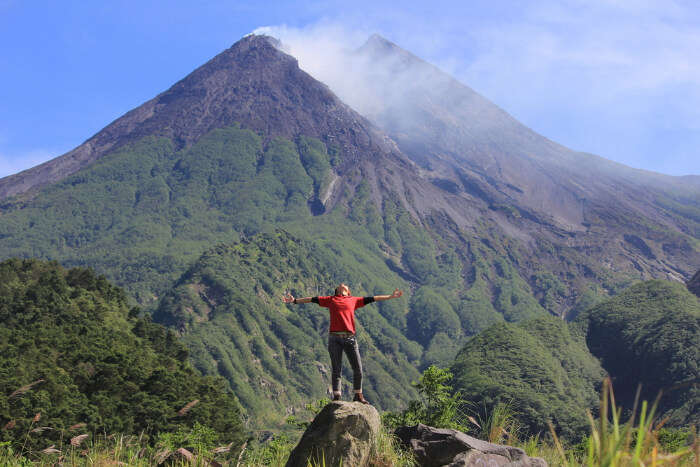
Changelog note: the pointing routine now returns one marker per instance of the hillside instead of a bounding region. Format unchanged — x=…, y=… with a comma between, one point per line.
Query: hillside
x=539, y=367
x=74, y=353
x=634, y=222
x=229, y=309
x=650, y=335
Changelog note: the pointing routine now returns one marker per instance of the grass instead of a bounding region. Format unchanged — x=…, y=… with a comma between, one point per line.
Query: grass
x=640, y=441
x=636, y=442
x=102, y=450
x=500, y=425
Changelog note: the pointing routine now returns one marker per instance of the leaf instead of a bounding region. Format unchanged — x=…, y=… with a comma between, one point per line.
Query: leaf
x=185, y=453
x=10, y=425
x=76, y=440
x=51, y=450
x=26, y=388
x=221, y=449
x=41, y=429
x=187, y=407
x=162, y=455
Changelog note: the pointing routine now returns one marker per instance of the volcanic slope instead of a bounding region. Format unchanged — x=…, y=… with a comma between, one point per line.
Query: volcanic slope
x=634, y=222
x=151, y=204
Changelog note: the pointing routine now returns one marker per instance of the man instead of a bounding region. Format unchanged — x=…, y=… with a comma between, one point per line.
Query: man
x=341, y=336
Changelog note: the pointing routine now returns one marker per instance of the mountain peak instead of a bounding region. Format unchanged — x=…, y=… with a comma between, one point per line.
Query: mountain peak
x=254, y=84
x=258, y=42
x=378, y=41
x=379, y=48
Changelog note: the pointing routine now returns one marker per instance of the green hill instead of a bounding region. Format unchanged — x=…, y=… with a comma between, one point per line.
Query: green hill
x=73, y=352
x=539, y=367
x=650, y=335
x=229, y=309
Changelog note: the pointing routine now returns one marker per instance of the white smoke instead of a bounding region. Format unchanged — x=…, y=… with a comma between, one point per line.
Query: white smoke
x=324, y=51
x=614, y=78
x=378, y=83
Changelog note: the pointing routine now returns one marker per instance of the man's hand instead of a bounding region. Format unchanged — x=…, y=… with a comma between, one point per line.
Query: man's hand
x=397, y=293
x=288, y=298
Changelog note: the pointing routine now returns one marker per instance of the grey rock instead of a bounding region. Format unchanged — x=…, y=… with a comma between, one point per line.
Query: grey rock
x=438, y=447
x=343, y=433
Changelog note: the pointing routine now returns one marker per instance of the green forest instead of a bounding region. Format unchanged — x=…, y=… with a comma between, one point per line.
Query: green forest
x=75, y=356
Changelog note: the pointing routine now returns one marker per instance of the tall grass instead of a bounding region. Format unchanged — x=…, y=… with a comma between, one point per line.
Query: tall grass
x=640, y=441
x=500, y=425
x=636, y=442
x=111, y=450
x=388, y=452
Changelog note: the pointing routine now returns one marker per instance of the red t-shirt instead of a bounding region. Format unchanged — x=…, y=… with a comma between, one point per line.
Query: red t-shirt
x=342, y=310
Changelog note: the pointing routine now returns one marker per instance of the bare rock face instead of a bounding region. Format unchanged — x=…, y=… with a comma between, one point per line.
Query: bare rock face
x=437, y=447
x=343, y=433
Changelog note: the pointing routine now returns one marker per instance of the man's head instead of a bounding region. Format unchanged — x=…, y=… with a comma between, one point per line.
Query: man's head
x=343, y=290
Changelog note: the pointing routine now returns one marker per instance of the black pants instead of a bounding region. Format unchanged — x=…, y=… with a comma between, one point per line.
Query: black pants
x=336, y=346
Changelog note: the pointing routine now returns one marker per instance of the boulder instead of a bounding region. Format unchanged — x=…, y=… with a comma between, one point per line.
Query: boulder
x=343, y=433
x=438, y=447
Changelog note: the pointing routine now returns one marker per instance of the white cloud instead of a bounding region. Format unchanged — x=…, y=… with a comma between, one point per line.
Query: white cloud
x=597, y=75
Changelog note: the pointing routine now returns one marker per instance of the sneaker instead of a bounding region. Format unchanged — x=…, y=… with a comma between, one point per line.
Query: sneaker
x=336, y=397
x=359, y=398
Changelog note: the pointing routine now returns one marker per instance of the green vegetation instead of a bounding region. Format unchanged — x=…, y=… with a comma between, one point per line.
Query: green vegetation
x=274, y=355
x=538, y=368
x=141, y=215
x=437, y=406
x=76, y=360
x=147, y=216
x=650, y=335
x=638, y=441
x=116, y=449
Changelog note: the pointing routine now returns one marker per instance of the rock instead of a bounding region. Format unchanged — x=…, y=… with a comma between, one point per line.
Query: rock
x=343, y=433
x=437, y=447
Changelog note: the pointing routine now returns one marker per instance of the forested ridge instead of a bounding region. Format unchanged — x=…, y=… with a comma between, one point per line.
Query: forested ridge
x=75, y=356
x=648, y=336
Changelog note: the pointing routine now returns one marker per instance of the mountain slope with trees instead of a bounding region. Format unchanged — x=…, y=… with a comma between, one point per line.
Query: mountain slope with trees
x=229, y=309
x=649, y=335
x=75, y=355
x=539, y=368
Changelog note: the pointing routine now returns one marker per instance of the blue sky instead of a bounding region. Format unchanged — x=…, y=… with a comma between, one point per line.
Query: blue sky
x=618, y=78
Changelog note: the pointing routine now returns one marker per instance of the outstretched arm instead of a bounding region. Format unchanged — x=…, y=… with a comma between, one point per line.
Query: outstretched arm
x=397, y=293
x=289, y=298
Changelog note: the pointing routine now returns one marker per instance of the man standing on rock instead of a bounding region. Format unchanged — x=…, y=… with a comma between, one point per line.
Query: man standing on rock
x=341, y=336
